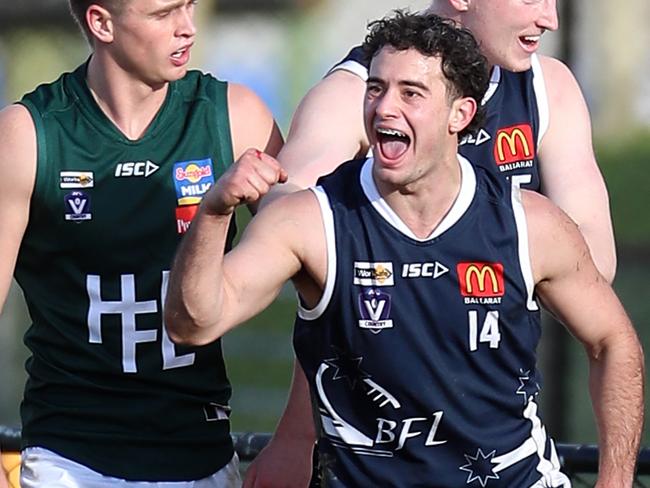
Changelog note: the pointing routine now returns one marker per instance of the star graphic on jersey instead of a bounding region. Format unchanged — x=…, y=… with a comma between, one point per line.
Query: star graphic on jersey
x=480, y=468
x=526, y=388
x=347, y=367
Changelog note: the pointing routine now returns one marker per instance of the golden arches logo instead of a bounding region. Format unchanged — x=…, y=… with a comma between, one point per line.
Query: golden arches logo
x=508, y=138
x=481, y=279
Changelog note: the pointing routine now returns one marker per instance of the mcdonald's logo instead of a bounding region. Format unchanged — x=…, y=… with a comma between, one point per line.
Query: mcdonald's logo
x=481, y=279
x=514, y=144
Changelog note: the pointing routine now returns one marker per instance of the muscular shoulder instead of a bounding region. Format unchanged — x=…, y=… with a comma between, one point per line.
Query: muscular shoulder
x=560, y=83
x=554, y=239
x=17, y=165
x=251, y=122
x=18, y=141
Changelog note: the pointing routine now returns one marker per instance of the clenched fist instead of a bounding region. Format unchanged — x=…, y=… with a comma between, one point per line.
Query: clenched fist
x=246, y=181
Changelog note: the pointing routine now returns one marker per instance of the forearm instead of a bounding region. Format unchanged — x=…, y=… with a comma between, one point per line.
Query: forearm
x=297, y=422
x=194, y=301
x=616, y=384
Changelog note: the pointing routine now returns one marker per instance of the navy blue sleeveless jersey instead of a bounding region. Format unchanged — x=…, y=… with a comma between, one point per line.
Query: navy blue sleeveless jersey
x=420, y=354
x=516, y=120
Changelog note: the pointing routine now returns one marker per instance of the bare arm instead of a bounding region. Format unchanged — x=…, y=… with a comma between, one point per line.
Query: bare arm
x=251, y=123
x=326, y=130
x=569, y=172
x=287, y=460
x=571, y=287
x=17, y=176
x=209, y=293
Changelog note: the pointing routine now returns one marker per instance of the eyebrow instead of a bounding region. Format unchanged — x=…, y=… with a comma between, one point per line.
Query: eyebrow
x=169, y=6
x=411, y=83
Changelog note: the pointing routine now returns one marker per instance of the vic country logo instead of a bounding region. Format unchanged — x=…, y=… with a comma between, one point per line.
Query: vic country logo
x=192, y=180
x=514, y=147
x=374, y=308
x=373, y=274
x=481, y=280
x=77, y=207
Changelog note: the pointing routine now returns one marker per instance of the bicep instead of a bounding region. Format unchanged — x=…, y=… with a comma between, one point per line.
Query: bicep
x=567, y=280
x=251, y=122
x=326, y=130
x=569, y=173
x=17, y=175
x=268, y=255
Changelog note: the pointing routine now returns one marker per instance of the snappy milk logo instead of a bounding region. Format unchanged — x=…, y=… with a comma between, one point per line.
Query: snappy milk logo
x=192, y=180
x=481, y=283
x=373, y=274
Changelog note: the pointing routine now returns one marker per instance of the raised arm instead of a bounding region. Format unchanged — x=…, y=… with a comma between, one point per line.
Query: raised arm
x=570, y=286
x=17, y=176
x=251, y=123
x=208, y=295
x=326, y=130
x=570, y=176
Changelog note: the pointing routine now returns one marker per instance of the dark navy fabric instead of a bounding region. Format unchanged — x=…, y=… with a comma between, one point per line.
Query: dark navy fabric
x=506, y=144
x=422, y=365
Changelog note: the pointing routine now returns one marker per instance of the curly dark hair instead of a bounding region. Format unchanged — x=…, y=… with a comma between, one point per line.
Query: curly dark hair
x=463, y=65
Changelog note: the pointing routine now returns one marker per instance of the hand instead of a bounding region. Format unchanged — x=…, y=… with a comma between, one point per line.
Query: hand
x=281, y=464
x=246, y=181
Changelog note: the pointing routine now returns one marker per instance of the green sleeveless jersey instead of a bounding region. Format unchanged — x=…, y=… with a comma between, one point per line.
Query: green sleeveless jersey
x=107, y=387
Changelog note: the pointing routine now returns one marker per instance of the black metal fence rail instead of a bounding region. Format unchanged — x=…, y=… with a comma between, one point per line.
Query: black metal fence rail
x=575, y=458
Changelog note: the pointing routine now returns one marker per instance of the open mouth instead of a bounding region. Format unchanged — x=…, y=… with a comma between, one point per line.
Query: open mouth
x=180, y=53
x=392, y=143
x=530, y=42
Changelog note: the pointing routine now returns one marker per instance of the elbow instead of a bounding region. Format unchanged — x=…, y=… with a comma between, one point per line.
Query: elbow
x=185, y=329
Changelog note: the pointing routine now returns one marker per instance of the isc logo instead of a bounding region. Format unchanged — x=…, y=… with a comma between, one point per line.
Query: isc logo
x=136, y=168
x=424, y=270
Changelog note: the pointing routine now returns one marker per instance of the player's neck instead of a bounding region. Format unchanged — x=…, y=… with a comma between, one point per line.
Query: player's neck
x=129, y=103
x=424, y=203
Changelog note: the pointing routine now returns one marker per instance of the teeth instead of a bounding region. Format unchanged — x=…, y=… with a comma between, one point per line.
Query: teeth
x=531, y=38
x=390, y=132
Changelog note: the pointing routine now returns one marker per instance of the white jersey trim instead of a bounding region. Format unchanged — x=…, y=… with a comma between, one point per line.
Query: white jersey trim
x=495, y=79
x=457, y=210
x=542, y=98
x=522, y=232
x=330, y=240
x=353, y=67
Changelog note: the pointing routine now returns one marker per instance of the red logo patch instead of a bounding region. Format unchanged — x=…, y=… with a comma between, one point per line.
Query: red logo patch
x=481, y=279
x=184, y=216
x=514, y=144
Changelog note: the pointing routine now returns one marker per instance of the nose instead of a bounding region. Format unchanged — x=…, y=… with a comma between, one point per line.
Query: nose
x=386, y=104
x=186, y=26
x=548, y=18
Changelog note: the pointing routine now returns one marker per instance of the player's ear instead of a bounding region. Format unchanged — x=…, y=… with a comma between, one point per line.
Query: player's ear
x=461, y=114
x=100, y=23
x=460, y=5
